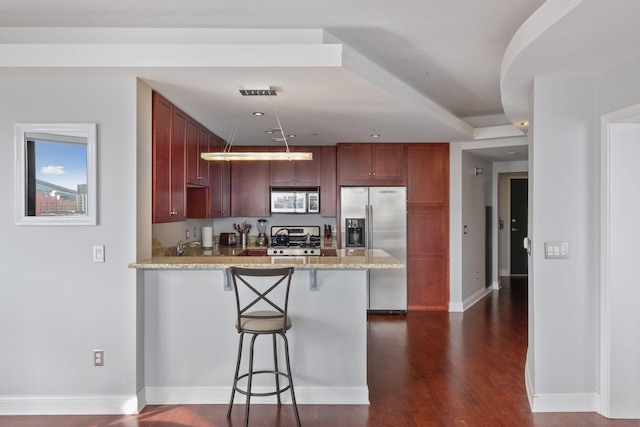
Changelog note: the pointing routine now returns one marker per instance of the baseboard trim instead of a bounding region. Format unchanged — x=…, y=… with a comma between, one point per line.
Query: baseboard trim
x=565, y=402
x=559, y=402
x=459, y=307
x=69, y=405
x=220, y=395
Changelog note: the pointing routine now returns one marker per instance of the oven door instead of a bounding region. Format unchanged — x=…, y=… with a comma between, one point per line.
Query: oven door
x=283, y=201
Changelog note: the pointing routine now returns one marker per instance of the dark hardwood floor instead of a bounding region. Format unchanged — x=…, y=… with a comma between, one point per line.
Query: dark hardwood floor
x=425, y=369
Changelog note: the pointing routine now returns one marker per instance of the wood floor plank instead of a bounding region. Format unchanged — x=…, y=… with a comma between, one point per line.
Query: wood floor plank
x=425, y=369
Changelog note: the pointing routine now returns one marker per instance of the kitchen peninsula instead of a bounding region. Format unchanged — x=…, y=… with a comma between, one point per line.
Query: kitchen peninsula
x=190, y=342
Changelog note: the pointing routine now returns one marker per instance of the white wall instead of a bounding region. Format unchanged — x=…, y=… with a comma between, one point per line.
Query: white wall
x=56, y=305
x=474, y=201
x=564, y=153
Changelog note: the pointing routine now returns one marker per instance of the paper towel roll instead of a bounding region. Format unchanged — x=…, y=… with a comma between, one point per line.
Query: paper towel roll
x=207, y=237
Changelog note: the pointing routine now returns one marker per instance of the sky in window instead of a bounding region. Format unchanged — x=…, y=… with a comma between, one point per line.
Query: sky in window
x=61, y=163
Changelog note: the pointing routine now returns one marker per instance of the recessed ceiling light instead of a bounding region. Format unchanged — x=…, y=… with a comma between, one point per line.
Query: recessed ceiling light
x=268, y=131
x=292, y=135
x=258, y=113
x=375, y=135
x=512, y=153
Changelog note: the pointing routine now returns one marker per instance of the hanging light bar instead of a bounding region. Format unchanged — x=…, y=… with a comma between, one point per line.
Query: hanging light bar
x=259, y=155
x=227, y=155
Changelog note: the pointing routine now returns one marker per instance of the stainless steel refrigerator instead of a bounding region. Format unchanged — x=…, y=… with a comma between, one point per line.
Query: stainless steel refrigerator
x=376, y=218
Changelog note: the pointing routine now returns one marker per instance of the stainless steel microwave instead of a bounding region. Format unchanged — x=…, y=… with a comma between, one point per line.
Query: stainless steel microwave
x=293, y=200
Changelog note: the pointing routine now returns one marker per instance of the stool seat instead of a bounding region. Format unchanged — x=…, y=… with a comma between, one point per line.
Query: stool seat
x=263, y=321
x=261, y=310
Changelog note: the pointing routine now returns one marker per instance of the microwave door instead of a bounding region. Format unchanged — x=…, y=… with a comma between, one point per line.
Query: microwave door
x=300, y=205
x=283, y=202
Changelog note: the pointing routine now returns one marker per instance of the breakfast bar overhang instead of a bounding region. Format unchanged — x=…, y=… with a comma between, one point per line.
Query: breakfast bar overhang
x=190, y=342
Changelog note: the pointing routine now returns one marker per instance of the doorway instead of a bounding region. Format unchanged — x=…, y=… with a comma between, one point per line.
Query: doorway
x=518, y=225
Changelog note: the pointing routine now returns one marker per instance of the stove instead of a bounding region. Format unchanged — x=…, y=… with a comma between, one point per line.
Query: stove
x=303, y=241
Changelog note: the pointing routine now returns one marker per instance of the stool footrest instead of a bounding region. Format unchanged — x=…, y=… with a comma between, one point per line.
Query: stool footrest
x=262, y=394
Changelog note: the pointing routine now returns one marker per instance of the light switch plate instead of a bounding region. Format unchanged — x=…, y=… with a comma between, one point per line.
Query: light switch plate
x=556, y=250
x=98, y=253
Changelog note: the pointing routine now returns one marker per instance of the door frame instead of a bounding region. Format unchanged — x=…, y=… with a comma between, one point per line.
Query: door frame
x=625, y=115
x=498, y=169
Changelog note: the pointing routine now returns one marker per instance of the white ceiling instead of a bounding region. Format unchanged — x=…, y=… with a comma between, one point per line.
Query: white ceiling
x=409, y=71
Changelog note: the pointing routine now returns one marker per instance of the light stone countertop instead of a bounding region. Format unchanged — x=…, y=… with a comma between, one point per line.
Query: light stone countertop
x=345, y=259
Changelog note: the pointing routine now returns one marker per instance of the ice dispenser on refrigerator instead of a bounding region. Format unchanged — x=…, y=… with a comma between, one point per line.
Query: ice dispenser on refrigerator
x=355, y=232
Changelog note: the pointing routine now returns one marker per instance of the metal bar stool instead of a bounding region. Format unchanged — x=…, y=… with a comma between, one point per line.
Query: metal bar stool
x=252, y=319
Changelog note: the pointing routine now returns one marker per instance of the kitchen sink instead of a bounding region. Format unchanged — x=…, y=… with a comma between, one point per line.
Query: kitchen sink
x=253, y=252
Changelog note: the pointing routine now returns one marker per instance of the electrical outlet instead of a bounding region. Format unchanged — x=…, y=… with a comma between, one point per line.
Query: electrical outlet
x=98, y=357
x=186, y=234
x=195, y=232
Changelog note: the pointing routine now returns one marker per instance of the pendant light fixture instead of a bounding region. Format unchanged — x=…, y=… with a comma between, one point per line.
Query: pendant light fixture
x=227, y=155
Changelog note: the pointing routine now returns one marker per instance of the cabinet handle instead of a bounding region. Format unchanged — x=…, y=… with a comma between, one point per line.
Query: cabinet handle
x=201, y=177
x=173, y=212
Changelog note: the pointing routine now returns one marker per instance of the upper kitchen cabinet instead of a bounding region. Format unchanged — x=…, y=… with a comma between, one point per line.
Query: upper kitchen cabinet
x=197, y=142
x=295, y=173
x=370, y=164
x=428, y=174
x=328, y=187
x=249, y=186
x=168, y=189
x=219, y=181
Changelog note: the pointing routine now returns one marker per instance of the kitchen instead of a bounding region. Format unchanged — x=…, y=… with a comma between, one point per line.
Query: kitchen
x=239, y=191
x=342, y=194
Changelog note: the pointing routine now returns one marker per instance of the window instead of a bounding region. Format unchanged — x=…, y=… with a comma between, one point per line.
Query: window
x=55, y=166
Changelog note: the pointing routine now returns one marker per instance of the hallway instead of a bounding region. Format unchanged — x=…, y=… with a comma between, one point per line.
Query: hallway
x=425, y=369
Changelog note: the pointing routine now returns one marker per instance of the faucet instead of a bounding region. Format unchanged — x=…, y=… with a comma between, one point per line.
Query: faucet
x=180, y=249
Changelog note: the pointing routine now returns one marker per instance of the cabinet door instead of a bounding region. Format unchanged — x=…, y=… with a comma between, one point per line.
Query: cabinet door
x=428, y=218
x=249, y=186
x=296, y=173
x=219, y=181
x=192, y=152
x=388, y=164
x=203, y=147
x=178, y=181
x=161, y=187
x=328, y=187
x=354, y=164
x=428, y=174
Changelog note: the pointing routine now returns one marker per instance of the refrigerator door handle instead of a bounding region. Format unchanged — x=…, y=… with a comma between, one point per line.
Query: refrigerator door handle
x=369, y=238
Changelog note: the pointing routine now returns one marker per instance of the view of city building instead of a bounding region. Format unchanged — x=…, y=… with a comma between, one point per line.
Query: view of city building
x=52, y=199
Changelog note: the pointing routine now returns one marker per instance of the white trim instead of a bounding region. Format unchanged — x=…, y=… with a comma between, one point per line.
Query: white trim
x=565, y=402
x=69, y=405
x=459, y=307
x=220, y=395
x=605, y=308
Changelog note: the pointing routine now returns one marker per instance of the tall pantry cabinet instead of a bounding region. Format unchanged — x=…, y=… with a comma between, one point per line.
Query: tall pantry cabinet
x=428, y=226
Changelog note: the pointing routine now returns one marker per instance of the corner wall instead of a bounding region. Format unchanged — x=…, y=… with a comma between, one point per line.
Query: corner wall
x=56, y=305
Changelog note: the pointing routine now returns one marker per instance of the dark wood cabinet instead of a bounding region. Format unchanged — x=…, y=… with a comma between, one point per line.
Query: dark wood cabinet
x=328, y=187
x=197, y=142
x=296, y=173
x=428, y=222
x=219, y=181
x=370, y=164
x=250, y=186
x=168, y=169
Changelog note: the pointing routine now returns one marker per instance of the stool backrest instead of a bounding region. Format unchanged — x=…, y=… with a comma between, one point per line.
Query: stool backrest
x=259, y=289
